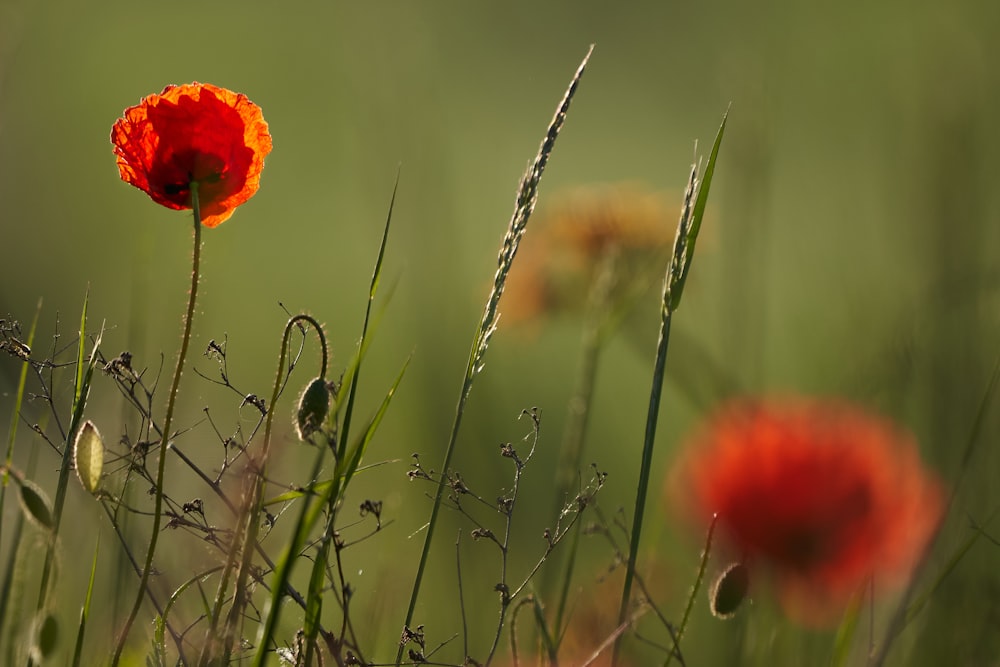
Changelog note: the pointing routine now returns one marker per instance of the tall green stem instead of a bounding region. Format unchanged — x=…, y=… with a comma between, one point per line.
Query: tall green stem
x=167, y=423
x=578, y=414
x=644, y=470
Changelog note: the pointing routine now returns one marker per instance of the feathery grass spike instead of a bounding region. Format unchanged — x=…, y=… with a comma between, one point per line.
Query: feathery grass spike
x=527, y=194
x=695, y=200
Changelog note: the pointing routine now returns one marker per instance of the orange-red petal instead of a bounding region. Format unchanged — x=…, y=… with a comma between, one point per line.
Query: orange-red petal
x=822, y=494
x=193, y=133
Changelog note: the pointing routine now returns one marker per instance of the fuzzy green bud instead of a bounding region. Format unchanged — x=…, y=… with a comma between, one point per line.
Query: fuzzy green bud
x=314, y=403
x=729, y=590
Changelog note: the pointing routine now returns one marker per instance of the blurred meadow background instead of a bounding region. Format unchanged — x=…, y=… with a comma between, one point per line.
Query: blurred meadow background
x=851, y=247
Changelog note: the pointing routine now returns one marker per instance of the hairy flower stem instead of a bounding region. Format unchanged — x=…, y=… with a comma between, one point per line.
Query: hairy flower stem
x=702, y=566
x=283, y=570
x=167, y=422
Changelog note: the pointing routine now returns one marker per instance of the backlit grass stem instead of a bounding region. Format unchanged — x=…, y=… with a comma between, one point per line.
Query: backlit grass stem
x=527, y=195
x=692, y=212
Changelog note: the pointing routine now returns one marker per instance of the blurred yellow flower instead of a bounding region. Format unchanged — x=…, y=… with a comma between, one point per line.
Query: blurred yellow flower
x=620, y=233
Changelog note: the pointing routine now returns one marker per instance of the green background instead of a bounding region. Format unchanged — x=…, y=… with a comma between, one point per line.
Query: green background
x=851, y=243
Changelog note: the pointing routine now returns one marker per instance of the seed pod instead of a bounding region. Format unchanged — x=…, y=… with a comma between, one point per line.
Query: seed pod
x=36, y=505
x=314, y=403
x=45, y=638
x=88, y=454
x=729, y=590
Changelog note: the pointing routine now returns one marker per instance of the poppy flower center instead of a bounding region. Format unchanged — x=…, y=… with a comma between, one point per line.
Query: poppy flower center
x=824, y=525
x=177, y=172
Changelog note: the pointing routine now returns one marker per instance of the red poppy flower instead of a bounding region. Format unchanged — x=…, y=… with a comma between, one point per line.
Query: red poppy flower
x=822, y=494
x=195, y=133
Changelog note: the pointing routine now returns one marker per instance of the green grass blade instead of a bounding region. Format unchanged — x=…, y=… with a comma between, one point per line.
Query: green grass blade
x=314, y=489
x=845, y=633
x=18, y=402
x=344, y=472
x=158, y=656
x=915, y=607
x=350, y=464
x=314, y=600
x=645, y=467
x=362, y=345
x=907, y=610
x=673, y=285
x=80, y=352
x=85, y=612
x=12, y=625
x=319, y=487
x=549, y=645
x=8, y=575
x=84, y=374
x=527, y=195
x=906, y=614
x=977, y=428
x=310, y=512
x=308, y=515
x=159, y=642
x=8, y=625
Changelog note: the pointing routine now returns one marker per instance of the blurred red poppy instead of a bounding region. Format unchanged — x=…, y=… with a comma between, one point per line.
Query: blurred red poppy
x=195, y=133
x=822, y=494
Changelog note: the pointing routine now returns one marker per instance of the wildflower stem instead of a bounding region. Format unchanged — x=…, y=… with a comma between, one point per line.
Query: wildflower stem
x=578, y=414
x=167, y=422
x=702, y=566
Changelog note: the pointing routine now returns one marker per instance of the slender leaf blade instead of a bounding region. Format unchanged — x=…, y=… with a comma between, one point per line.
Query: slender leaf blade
x=85, y=611
x=358, y=452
